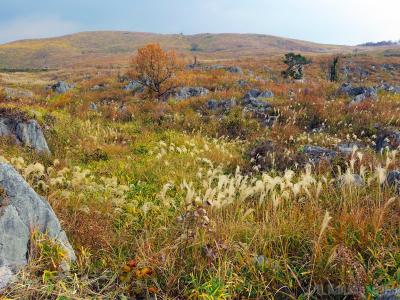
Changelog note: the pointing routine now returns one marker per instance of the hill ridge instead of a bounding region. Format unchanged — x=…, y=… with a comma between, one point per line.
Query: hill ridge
x=99, y=47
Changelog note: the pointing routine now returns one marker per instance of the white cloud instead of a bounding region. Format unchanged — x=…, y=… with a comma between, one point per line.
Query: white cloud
x=35, y=27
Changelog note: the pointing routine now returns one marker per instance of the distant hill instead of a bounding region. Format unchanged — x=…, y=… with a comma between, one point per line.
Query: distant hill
x=114, y=47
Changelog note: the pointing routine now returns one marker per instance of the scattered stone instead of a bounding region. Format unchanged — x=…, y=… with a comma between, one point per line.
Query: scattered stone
x=389, y=88
x=390, y=295
x=315, y=153
x=387, y=139
x=224, y=105
x=189, y=92
x=261, y=109
x=93, y=106
x=358, y=94
x=61, y=87
x=255, y=93
x=31, y=135
x=234, y=69
x=26, y=132
x=134, y=86
x=257, y=106
x=390, y=67
x=393, y=179
x=21, y=211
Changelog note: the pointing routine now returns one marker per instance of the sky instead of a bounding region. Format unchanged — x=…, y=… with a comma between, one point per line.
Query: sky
x=349, y=22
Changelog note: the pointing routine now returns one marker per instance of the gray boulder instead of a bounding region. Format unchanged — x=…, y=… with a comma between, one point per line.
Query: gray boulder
x=189, y=92
x=393, y=180
x=234, y=69
x=134, y=86
x=255, y=93
x=257, y=106
x=390, y=67
x=263, y=110
x=389, y=88
x=387, y=139
x=390, y=295
x=224, y=105
x=61, y=87
x=316, y=154
x=21, y=211
x=26, y=132
x=358, y=94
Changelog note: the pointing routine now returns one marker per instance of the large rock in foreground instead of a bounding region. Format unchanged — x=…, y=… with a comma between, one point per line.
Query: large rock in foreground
x=26, y=132
x=21, y=211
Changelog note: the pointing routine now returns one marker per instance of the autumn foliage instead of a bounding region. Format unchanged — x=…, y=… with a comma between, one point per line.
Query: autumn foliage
x=156, y=69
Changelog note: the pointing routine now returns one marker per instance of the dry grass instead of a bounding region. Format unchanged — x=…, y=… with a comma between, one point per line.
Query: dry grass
x=162, y=198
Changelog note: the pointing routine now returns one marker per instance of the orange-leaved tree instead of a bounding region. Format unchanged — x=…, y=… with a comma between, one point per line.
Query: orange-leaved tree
x=156, y=70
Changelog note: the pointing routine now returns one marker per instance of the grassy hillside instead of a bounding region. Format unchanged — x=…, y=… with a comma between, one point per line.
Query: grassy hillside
x=114, y=47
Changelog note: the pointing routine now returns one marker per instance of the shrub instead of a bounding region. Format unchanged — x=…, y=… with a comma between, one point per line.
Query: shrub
x=156, y=69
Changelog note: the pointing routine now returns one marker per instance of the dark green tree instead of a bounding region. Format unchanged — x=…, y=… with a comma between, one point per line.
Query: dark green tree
x=333, y=70
x=295, y=63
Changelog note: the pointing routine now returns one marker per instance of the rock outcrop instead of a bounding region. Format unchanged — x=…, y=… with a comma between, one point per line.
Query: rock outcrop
x=223, y=105
x=387, y=139
x=255, y=93
x=315, y=153
x=188, y=92
x=21, y=211
x=358, y=94
x=61, y=87
x=393, y=294
x=393, y=180
x=25, y=132
x=394, y=89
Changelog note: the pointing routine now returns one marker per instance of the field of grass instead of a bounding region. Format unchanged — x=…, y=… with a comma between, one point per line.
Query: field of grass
x=163, y=200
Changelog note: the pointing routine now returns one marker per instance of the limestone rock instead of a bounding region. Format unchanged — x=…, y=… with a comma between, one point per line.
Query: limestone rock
x=315, y=153
x=387, y=139
x=188, y=92
x=393, y=180
x=21, y=211
x=26, y=132
x=61, y=87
